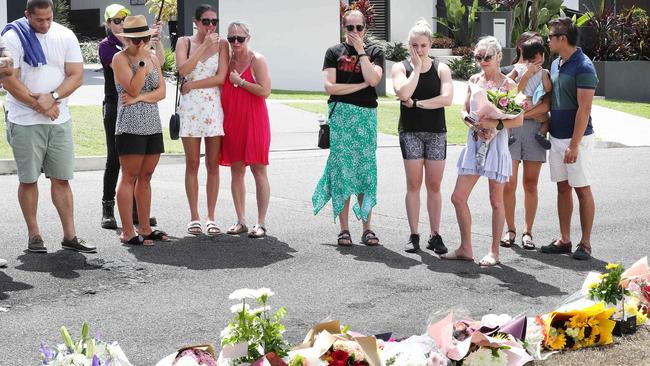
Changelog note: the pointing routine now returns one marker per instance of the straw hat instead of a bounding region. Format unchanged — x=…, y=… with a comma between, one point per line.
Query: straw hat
x=135, y=26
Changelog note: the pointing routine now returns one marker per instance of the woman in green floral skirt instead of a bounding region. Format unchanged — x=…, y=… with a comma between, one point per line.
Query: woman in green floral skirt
x=351, y=70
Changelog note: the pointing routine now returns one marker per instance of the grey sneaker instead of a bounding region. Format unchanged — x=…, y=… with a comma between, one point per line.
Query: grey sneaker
x=3, y=263
x=78, y=245
x=435, y=243
x=582, y=253
x=35, y=245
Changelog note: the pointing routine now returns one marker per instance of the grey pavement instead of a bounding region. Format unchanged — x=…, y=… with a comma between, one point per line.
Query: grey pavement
x=155, y=300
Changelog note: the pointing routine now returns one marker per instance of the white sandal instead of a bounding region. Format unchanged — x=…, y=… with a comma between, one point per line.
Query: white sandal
x=211, y=228
x=194, y=228
x=258, y=231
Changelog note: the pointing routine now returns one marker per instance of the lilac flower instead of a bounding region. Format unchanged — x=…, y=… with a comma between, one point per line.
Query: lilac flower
x=47, y=353
x=96, y=361
x=98, y=336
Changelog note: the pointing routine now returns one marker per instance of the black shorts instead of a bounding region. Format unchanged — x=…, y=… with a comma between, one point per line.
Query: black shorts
x=423, y=145
x=128, y=144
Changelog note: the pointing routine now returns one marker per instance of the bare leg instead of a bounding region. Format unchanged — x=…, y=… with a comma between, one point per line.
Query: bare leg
x=413, y=169
x=510, y=200
x=212, y=151
x=130, y=166
x=262, y=191
x=28, y=199
x=143, y=191
x=531, y=178
x=587, y=213
x=238, y=189
x=462, y=190
x=564, y=209
x=344, y=220
x=434, y=170
x=63, y=201
x=498, y=216
x=192, y=148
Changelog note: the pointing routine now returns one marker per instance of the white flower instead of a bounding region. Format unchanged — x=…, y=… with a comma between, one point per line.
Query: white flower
x=243, y=293
x=483, y=357
x=238, y=308
x=411, y=359
x=264, y=292
x=118, y=358
x=260, y=310
x=227, y=331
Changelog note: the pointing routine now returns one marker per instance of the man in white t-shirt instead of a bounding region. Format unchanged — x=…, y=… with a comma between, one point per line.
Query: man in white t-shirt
x=6, y=69
x=39, y=127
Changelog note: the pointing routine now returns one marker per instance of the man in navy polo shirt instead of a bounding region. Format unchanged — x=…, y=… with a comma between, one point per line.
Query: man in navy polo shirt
x=572, y=140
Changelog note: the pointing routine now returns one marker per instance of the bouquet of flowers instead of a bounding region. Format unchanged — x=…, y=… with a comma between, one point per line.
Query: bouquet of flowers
x=412, y=351
x=494, y=103
x=608, y=288
x=576, y=329
x=83, y=352
x=253, y=333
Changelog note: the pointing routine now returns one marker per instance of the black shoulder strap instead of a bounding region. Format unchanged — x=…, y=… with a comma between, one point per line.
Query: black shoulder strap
x=178, y=76
x=407, y=67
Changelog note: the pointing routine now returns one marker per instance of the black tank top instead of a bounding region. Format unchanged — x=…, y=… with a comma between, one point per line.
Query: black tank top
x=418, y=119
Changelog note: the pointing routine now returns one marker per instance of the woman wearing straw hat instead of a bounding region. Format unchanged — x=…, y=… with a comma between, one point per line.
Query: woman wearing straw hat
x=138, y=131
x=109, y=46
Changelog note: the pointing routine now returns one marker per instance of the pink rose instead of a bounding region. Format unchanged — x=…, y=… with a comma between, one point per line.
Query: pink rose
x=504, y=102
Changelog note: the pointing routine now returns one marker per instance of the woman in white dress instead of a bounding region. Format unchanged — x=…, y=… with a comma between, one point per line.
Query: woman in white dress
x=201, y=116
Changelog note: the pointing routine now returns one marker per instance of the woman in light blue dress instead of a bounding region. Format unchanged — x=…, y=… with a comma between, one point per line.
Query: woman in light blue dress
x=497, y=164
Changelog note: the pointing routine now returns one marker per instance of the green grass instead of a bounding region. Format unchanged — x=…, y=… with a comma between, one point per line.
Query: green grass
x=388, y=115
x=88, y=134
x=637, y=109
x=306, y=95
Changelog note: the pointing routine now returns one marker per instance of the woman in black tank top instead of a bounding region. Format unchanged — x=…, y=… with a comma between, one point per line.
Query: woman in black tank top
x=424, y=88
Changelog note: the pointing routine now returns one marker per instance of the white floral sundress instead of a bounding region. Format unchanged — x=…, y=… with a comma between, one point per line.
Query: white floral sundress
x=200, y=110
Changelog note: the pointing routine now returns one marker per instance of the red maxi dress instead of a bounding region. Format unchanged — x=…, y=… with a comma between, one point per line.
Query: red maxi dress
x=245, y=123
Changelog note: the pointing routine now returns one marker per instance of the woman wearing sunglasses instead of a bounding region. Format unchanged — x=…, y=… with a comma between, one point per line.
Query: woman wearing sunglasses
x=498, y=164
x=201, y=115
x=247, y=127
x=109, y=46
x=351, y=71
x=425, y=87
x=138, y=131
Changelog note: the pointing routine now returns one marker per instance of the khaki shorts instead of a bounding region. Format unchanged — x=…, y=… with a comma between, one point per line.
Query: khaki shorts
x=42, y=148
x=579, y=174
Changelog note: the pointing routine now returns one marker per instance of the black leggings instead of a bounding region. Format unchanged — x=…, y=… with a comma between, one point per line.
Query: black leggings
x=112, y=170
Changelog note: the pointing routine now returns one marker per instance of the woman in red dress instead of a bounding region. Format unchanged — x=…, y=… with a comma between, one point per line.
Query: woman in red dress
x=246, y=127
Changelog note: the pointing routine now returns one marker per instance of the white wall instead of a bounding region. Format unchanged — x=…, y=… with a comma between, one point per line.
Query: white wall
x=102, y=4
x=404, y=13
x=292, y=35
x=572, y=4
x=3, y=12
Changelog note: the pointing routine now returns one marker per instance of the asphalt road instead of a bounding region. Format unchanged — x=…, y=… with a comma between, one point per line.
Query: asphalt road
x=154, y=300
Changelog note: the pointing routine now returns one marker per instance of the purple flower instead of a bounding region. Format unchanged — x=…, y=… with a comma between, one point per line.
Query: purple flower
x=47, y=353
x=98, y=336
x=504, y=102
x=96, y=361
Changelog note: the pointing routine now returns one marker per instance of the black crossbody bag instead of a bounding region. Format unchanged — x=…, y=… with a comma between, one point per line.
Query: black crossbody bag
x=175, y=119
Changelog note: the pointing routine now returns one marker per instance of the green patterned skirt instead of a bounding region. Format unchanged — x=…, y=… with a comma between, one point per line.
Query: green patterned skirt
x=351, y=168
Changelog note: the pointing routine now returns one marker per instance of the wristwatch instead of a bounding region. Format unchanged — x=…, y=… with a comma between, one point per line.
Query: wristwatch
x=55, y=95
x=415, y=103
x=500, y=125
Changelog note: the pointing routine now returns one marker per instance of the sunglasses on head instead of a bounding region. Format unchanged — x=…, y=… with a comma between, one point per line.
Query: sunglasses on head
x=239, y=39
x=486, y=58
x=117, y=20
x=137, y=40
x=350, y=27
x=207, y=21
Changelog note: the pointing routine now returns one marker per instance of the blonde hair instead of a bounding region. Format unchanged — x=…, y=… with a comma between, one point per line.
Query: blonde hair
x=421, y=28
x=351, y=13
x=490, y=44
x=241, y=25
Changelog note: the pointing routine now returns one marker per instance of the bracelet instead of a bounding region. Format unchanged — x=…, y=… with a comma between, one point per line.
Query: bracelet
x=242, y=82
x=363, y=54
x=415, y=103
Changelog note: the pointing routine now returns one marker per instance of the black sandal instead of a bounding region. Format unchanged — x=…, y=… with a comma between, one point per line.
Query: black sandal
x=137, y=240
x=527, y=244
x=510, y=241
x=157, y=235
x=369, y=238
x=344, y=239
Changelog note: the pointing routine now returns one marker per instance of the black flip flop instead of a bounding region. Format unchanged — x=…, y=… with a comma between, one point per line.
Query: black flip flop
x=527, y=244
x=136, y=240
x=157, y=235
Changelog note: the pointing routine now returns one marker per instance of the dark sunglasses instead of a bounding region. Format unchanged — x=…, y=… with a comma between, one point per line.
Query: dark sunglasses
x=239, y=39
x=350, y=27
x=137, y=40
x=551, y=35
x=486, y=58
x=207, y=21
x=117, y=20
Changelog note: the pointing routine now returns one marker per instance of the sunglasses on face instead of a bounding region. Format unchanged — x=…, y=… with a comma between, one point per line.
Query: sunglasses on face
x=239, y=39
x=207, y=21
x=359, y=27
x=137, y=40
x=551, y=35
x=117, y=21
x=486, y=58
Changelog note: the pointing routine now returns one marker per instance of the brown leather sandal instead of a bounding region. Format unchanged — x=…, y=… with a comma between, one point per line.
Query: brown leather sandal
x=527, y=244
x=344, y=239
x=510, y=241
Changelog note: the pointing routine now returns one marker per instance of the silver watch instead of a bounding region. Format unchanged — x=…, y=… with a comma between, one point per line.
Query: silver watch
x=55, y=95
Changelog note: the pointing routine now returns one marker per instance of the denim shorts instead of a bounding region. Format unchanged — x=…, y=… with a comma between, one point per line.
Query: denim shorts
x=46, y=148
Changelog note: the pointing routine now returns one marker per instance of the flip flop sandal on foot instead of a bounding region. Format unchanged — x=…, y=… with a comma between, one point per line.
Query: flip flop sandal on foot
x=157, y=235
x=527, y=243
x=489, y=261
x=510, y=241
x=237, y=229
x=369, y=238
x=344, y=239
x=194, y=228
x=137, y=240
x=257, y=232
x=453, y=256
x=211, y=228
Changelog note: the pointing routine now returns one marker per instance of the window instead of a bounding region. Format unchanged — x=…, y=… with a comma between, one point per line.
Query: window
x=138, y=2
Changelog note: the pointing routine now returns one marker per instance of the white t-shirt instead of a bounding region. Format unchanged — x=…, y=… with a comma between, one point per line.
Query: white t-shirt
x=60, y=46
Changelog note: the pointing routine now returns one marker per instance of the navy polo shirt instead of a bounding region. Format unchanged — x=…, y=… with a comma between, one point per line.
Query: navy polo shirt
x=577, y=72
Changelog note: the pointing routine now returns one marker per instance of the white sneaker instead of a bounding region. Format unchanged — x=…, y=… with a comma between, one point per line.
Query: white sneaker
x=3, y=263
